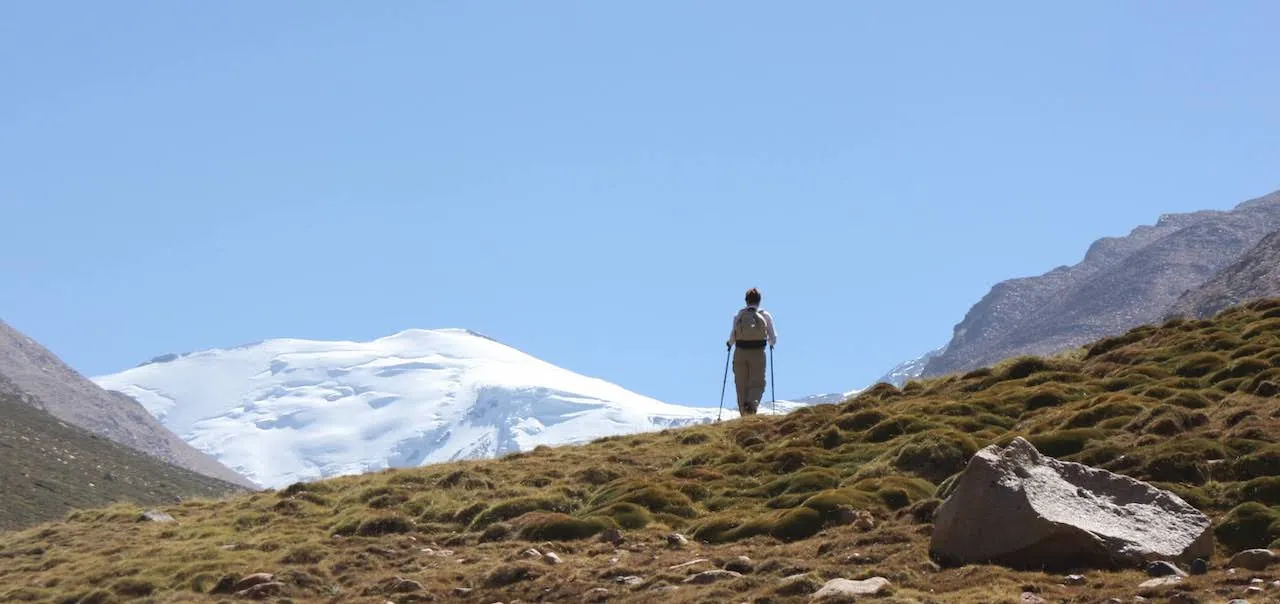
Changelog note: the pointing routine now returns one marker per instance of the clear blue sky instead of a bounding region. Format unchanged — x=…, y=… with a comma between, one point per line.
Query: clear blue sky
x=597, y=183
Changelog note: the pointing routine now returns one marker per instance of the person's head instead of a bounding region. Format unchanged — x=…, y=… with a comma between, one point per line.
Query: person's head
x=753, y=297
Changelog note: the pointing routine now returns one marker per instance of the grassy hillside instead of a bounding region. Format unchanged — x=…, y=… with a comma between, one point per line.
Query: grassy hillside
x=48, y=467
x=1189, y=405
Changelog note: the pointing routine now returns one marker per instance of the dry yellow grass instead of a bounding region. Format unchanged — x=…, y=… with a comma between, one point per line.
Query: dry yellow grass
x=1189, y=405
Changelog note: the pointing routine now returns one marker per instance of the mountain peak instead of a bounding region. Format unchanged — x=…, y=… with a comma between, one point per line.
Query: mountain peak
x=286, y=410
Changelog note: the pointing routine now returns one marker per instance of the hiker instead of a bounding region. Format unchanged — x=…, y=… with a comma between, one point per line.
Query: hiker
x=752, y=331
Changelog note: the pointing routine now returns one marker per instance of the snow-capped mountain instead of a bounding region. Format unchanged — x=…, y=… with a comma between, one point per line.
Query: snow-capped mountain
x=288, y=410
x=909, y=370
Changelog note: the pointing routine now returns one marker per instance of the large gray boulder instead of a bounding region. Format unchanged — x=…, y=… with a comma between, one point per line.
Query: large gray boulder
x=1015, y=507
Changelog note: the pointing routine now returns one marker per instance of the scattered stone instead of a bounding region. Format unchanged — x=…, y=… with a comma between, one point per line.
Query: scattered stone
x=225, y=585
x=741, y=564
x=1183, y=597
x=1016, y=507
x=1237, y=601
x=685, y=565
x=552, y=558
x=1254, y=559
x=1199, y=566
x=156, y=516
x=1074, y=580
x=532, y=554
x=677, y=541
x=1030, y=598
x=613, y=536
x=595, y=595
x=629, y=580
x=1275, y=585
x=1152, y=585
x=462, y=591
x=251, y=580
x=1254, y=591
x=796, y=585
x=262, y=591
x=708, y=577
x=844, y=588
x=662, y=588
x=1257, y=582
x=858, y=558
x=1164, y=569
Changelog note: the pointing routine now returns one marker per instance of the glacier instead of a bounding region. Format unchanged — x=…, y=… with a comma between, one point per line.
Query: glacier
x=289, y=410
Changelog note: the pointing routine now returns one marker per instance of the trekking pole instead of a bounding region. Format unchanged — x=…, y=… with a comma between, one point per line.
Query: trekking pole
x=773, y=387
x=725, y=382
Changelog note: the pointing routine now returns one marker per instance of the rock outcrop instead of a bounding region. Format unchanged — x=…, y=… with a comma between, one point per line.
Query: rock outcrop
x=1121, y=283
x=1015, y=507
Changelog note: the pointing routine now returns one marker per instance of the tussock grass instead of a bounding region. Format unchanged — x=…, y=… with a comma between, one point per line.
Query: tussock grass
x=1185, y=405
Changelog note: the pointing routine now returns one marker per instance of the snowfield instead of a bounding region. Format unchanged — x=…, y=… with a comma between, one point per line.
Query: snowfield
x=283, y=411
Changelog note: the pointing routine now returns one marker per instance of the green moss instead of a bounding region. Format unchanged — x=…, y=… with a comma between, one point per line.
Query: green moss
x=827, y=502
x=896, y=492
x=1260, y=328
x=1167, y=420
x=1249, y=525
x=384, y=524
x=1045, y=396
x=554, y=526
x=1023, y=367
x=716, y=529
x=134, y=587
x=1188, y=400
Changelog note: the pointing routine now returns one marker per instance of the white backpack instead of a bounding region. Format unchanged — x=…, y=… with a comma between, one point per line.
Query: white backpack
x=750, y=326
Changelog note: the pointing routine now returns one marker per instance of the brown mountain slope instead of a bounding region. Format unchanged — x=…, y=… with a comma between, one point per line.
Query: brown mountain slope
x=1255, y=275
x=32, y=374
x=1188, y=405
x=1121, y=283
x=48, y=467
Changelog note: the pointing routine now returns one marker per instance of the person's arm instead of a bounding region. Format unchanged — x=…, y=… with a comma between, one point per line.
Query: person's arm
x=732, y=331
x=773, y=335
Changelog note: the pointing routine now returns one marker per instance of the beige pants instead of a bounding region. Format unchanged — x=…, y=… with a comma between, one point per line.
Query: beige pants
x=748, y=376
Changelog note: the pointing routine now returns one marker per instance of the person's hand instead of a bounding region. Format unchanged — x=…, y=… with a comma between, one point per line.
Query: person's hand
x=728, y=345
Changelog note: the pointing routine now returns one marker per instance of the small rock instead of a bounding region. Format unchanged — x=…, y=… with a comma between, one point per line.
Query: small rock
x=1030, y=598
x=251, y=580
x=741, y=564
x=1074, y=580
x=1254, y=559
x=1237, y=601
x=1160, y=582
x=613, y=536
x=708, y=577
x=598, y=594
x=684, y=565
x=262, y=591
x=1164, y=569
x=1183, y=597
x=1113, y=601
x=156, y=516
x=1257, y=582
x=532, y=554
x=677, y=541
x=859, y=558
x=552, y=558
x=662, y=588
x=1199, y=566
x=1254, y=591
x=629, y=580
x=461, y=591
x=1275, y=585
x=844, y=588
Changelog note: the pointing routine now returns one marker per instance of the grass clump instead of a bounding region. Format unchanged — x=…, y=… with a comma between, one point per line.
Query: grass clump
x=1200, y=365
x=935, y=455
x=554, y=526
x=519, y=506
